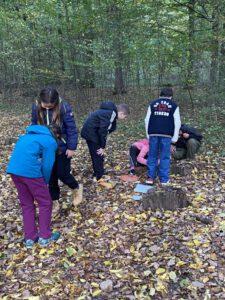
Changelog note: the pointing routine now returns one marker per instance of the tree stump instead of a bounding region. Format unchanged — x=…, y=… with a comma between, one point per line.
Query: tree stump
x=167, y=198
x=181, y=168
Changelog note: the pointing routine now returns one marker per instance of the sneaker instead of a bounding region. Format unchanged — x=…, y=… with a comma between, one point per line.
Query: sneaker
x=45, y=242
x=78, y=195
x=132, y=172
x=165, y=183
x=29, y=244
x=149, y=181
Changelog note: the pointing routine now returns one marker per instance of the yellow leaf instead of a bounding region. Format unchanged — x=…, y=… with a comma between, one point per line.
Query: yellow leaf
x=197, y=242
x=205, y=279
x=82, y=280
x=132, y=249
x=164, y=276
x=95, y=284
x=117, y=272
x=160, y=287
x=200, y=197
x=180, y=263
x=107, y=263
x=9, y=273
x=113, y=245
x=42, y=251
x=196, y=266
x=117, y=168
x=96, y=293
x=160, y=271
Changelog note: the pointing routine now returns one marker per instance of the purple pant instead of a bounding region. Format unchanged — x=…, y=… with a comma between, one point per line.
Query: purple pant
x=28, y=190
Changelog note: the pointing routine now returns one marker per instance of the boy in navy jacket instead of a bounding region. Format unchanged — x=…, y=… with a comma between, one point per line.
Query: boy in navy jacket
x=162, y=124
x=96, y=128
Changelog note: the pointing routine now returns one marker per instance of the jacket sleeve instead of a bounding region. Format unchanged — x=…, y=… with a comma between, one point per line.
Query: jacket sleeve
x=177, y=124
x=48, y=159
x=71, y=129
x=34, y=120
x=141, y=156
x=193, y=132
x=147, y=118
x=106, y=122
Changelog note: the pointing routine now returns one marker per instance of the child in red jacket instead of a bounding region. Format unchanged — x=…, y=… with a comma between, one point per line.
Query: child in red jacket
x=138, y=154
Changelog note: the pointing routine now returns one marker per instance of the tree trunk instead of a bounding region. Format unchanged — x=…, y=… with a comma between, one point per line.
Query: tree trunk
x=191, y=42
x=215, y=46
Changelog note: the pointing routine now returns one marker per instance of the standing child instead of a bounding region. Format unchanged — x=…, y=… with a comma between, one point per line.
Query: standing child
x=30, y=167
x=48, y=110
x=162, y=124
x=96, y=128
x=138, y=154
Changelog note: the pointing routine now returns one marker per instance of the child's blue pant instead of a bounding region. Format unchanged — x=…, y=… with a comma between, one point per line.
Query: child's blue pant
x=159, y=148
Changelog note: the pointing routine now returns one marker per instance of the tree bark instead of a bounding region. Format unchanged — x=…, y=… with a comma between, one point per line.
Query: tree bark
x=215, y=46
x=191, y=41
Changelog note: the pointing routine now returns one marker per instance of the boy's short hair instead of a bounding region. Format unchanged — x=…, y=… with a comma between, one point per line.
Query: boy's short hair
x=123, y=108
x=166, y=92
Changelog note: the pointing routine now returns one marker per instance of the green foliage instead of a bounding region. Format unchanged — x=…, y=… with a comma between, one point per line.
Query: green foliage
x=83, y=41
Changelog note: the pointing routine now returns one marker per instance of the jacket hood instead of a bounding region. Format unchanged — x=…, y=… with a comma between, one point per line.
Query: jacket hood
x=38, y=129
x=108, y=105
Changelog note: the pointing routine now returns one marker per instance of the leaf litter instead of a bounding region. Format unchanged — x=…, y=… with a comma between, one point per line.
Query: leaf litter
x=111, y=247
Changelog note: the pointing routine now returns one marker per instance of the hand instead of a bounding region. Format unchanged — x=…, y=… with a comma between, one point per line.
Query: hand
x=69, y=153
x=186, y=135
x=172, y=148
x=100, y=151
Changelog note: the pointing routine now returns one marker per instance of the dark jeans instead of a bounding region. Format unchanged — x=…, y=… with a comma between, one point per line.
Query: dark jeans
x=61, y=171
x=97, y=160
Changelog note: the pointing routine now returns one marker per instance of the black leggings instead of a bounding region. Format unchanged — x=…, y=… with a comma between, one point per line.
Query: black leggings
x=61, y=170
x=134, y=151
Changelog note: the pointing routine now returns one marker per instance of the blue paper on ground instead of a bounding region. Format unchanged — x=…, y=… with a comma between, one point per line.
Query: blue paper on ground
x=136, y=197
x=142, y=188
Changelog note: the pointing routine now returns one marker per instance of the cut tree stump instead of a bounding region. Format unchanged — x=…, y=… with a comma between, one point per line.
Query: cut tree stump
x=167, y=198
x=181, y=168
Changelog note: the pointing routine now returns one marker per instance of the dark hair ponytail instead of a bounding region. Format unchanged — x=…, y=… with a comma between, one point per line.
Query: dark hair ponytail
x=49, y=95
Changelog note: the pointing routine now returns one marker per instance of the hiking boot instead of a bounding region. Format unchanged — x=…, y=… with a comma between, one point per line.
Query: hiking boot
x=45, y=242
x=78, y=195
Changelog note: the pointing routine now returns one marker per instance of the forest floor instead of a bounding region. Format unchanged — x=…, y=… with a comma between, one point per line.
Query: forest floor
x=142, y=254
